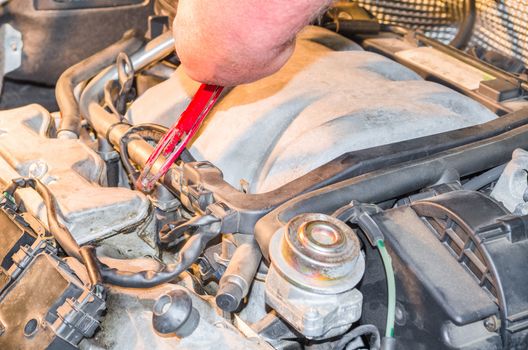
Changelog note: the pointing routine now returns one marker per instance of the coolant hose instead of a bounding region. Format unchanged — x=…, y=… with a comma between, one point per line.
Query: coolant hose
x=70, y=123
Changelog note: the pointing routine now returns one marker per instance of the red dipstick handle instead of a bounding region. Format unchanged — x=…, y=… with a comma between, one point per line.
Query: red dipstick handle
x=175, y=140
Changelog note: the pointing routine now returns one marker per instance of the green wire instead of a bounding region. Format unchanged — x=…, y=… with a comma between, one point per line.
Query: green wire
x=9, y=197
x=391, y=287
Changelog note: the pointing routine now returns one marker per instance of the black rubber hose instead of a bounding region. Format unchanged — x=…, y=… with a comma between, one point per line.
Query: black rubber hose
x=189, y=226
x=360, y=331
x=465, y=30
x=147, y=279
x=86, y=69
x=349, y=28
x=60, y=233
x=395, y=181
x=97, y=271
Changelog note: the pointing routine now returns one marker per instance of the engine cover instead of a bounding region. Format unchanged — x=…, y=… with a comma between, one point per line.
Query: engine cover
x=329, y=99
x=74, y=173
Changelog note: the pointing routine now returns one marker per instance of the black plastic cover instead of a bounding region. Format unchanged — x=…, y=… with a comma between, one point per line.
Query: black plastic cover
x=43, y=303
x=460, y=260
x=492, y=245
x=54, y=40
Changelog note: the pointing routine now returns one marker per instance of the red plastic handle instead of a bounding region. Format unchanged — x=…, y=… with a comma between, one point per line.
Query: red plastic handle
x=179, y=135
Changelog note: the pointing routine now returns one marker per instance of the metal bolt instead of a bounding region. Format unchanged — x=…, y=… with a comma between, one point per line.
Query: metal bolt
x=311, y=314
x=38, y=169
x=492, y=324
x=399, y=313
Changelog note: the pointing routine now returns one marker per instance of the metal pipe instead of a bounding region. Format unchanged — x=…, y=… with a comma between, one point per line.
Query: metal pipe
x=70, y=123
x=106, y=124
x=236, y=280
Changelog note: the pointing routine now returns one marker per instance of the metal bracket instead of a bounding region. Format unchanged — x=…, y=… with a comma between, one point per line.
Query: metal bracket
x=10, y=50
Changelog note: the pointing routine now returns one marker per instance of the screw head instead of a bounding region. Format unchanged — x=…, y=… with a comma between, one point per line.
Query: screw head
x=492, y=324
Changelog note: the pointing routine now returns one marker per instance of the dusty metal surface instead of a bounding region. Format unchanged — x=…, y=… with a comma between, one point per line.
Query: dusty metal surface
x=10, y=50
x=74, y=173
x=512, y=187
x=128, y=325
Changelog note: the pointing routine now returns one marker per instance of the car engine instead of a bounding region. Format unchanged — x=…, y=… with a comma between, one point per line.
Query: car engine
x=372, y=194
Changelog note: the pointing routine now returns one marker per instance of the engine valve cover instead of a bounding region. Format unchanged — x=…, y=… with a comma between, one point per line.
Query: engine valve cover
x=73, y=172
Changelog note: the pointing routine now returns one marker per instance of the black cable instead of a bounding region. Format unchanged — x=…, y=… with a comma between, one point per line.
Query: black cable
x=359, y=331
x=97, y=271
x=465, y=30
x=61, y=234
x=147, y=131
x=150, y=132
x=147, y=279
x=190, y=226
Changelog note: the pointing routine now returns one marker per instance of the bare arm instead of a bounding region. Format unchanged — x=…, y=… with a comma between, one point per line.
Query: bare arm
x=231, y=42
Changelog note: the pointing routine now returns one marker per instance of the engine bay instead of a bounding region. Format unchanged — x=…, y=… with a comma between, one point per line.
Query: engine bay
x=372, y=194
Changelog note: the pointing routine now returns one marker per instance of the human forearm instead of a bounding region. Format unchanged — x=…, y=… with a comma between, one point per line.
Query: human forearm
x=230, y=42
